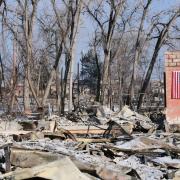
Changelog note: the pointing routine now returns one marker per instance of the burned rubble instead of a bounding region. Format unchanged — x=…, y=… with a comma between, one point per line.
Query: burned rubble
x=90, y=89
x=96, y=143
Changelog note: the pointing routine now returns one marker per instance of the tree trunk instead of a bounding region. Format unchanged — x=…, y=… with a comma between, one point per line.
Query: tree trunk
x=120, y=94
x=78, y=87
x=75, y=17
x=147, y=77
x=33, y=89
x=105, y=76
x=70, y=105
x=57, y=90
x=27, y=108
x=120, y=78
x=15, y=79
x=39, y=79
x=28, y=28
x=57, y=78
x=131, y=90
x=52, y=75
x=64, y=85
x=98, y=86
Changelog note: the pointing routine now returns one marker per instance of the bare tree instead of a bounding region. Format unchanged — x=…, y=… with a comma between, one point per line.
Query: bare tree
x=107, y=33
x=63, y=32
x=73, y=19
x=28, y=28
x=24, y=40
x=161, y=40
x=75, y=10
x=138, y=51
x=95, y=45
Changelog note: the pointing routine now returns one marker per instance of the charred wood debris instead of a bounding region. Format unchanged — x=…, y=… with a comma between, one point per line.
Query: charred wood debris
x=90, y=143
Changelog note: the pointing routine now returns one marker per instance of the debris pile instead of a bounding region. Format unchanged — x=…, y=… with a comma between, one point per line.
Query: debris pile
x=91, y=143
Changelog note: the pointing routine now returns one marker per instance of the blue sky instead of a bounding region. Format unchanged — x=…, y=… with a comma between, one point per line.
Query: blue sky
x=87, y=28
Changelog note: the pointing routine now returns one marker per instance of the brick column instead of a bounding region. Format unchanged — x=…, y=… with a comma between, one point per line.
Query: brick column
x=172, y=63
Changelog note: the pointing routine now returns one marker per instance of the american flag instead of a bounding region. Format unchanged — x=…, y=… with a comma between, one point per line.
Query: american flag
x=175, y=85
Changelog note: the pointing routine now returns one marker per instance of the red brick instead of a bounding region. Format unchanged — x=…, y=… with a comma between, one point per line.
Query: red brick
x=169, y=60
x=175, y=52
x=171, y=56
x=176, y=60
x=172, y=52
x=166, y=56
x=167, y=64
x=168, y=52
x=172, y=64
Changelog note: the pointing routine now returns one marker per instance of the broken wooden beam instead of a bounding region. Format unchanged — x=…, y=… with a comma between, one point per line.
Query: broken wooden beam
x=93, y=130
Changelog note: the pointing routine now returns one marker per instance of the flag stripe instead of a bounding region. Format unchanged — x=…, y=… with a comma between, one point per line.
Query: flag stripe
x=175, y=85
x=173, y=81
x=177, y=82
x=175, y=91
